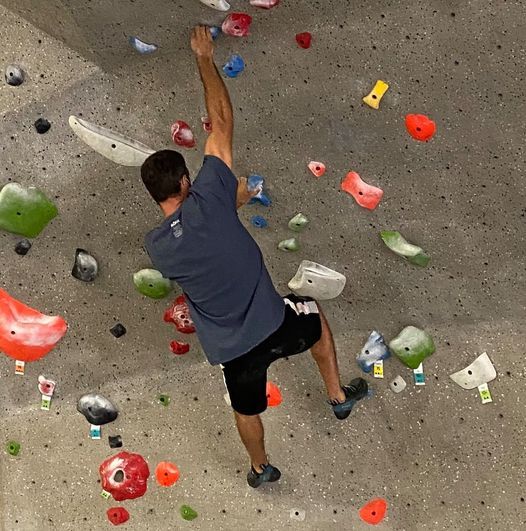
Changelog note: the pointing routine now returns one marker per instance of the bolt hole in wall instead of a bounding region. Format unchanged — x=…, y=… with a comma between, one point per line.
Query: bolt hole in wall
x=113, y=146
x=470, y=372
x=118, y=476
x=13, y=332
x=407, y=348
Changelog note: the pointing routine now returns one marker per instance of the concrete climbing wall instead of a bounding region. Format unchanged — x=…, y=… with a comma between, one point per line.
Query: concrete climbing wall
x=441, y=458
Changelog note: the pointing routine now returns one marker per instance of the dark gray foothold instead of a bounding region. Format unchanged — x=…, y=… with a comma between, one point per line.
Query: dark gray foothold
x=118, y=330
x=14, y=75
x=97, y=409
x=22, y=247
x=115, y=441
x=85, y=267
x=42, y=126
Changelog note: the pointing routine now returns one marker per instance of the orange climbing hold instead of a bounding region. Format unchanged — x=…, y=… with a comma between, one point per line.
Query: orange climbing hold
x=420, y=127
x=317, y=168
x=166, y=473
x=27, y=334
x=374, y=511
x=274, y=397
x=365, y=195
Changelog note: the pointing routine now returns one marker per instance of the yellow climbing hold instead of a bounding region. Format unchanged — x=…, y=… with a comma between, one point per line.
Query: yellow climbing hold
x=373, y=98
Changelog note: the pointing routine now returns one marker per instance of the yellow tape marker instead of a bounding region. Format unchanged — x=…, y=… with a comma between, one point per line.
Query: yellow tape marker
x=373, y=98
x=378, y=369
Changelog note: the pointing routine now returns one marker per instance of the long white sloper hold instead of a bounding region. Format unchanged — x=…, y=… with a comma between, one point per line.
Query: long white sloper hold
x=219, y=5
x=481, y=371
x=317, y=281
x=114, y=146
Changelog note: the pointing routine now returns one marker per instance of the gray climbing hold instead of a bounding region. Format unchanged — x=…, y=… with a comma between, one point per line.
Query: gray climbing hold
x=397, y=385
x=317, y=281
x=142, y=47
x=85, y=267
x=298, y=222
x=289, y=245
x=97, y=409
x=151, y=283
x=114, y=146
x=481, y=371
x=14, y=75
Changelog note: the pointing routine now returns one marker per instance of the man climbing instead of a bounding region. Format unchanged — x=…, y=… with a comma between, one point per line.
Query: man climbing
x=241, y=321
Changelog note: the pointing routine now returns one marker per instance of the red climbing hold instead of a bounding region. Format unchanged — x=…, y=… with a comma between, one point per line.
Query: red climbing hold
x=207, y=124
x=125, y=476
x=265, y=4
x=166, y=473
x=182, y=134
x=237, y=24
x=317, y=168
x=304, y=39
x=118, y=515
x=179, y=315
x=374, y=511
x=27, y=334
x=274, y=397
x=364, y=194
x=179, y=348
x=420, y=127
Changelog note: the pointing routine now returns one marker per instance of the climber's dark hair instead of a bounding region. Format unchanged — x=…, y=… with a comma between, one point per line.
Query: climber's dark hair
x=162, y=173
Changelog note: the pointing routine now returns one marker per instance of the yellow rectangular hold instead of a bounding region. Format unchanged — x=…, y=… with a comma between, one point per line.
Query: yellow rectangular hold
x=373, y=98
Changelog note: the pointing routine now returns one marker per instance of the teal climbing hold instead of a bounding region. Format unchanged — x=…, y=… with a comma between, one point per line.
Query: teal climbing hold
x=151, y=283
x=400, y=246
x=188, y=513
x=298, y=222
x=412, y=346
x=25, y=211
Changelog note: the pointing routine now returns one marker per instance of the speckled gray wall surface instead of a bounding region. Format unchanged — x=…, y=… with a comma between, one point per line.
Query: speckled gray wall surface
x=441, y=458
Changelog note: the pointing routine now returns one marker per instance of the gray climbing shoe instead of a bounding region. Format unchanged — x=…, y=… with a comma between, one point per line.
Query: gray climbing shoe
x=270, y=473
x=355, y=391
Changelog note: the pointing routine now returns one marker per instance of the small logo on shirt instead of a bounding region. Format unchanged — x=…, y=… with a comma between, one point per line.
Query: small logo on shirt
x=177, y=229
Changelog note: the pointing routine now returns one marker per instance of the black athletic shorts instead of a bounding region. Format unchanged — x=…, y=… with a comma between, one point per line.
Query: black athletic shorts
x=246, y=376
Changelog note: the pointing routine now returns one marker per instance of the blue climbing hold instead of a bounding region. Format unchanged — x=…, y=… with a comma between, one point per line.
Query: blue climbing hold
x=259, y=222
x=215, y=31
x=256, y=182
x=374, y=349
x=142, y=47
x=234, y=66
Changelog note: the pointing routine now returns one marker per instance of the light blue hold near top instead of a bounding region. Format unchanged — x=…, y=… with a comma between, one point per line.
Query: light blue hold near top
x=215, y=31
x=234, y=66
x=374, y=349
x=255, y=182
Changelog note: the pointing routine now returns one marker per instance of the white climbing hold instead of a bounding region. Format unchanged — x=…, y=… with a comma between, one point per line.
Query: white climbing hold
x=219, y=5
x=114, y=146
x=481, y=371
x=397, y=385
x=317, y=281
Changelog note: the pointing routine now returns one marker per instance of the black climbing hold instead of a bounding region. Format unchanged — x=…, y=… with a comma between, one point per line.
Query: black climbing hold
x=97, y=409
x=118, y=330
x=42, y=126
x=115, y=441
x=85, y=267
x=22, y=247
x=14, y=75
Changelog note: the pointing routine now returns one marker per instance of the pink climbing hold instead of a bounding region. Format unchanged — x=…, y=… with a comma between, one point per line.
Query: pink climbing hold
x=25, y=333
x=304, y=39
x=265, y=4
x=365, y=195
x=125, y=475
x=207, y=124
x=182, y=134
x=237, y=24
x=317, y=168
x=117, y=515
x=179, y=315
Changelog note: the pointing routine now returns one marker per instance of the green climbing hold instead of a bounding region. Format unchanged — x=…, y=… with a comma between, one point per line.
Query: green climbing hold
x=412, y=346
x=163, y=399
x=13, y=447
x=25, y=211
x=399, y=245
x=289, y=245
x=298, y=222
x=188, y=513
x=151, y=283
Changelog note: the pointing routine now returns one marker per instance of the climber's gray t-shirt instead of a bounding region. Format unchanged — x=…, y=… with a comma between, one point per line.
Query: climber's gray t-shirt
x=204, y=247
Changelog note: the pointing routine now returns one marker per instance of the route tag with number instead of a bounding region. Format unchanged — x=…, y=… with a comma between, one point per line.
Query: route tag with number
x=484, y=393
x=20, y=367
x=378, y=369
x=420, y=378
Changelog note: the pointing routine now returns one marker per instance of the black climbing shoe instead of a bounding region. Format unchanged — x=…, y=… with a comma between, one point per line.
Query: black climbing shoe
x=355, y=391
x=270, y=473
